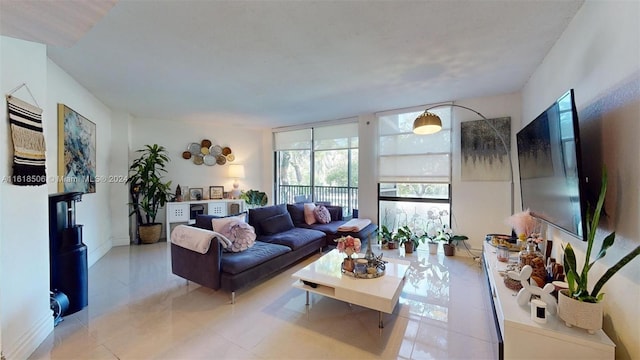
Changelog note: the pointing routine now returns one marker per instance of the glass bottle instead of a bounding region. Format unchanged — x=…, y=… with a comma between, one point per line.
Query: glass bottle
x=533, y=257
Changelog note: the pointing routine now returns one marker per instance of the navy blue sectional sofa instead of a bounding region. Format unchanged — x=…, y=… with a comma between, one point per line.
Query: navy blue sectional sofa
x=282, y=239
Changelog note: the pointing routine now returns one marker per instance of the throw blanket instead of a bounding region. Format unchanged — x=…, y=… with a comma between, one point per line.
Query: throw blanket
x=28, y=143
x=354, y=225
x=196, y=239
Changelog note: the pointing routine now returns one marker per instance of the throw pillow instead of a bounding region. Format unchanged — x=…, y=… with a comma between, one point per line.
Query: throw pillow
x=277, y=224
x=309, y=216
x=219, y=223
x=241, y=235
x=322, y=214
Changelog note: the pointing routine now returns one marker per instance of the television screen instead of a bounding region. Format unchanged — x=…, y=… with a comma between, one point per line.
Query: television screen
x=551, y=180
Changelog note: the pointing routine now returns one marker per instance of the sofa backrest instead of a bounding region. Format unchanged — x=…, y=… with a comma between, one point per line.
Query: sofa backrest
x=256, y=215
x=297, y=213
x=204, y=221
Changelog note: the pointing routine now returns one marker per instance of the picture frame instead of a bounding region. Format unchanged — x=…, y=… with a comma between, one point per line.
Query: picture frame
x=216, y=192
x=76, y=152
x=195, y=194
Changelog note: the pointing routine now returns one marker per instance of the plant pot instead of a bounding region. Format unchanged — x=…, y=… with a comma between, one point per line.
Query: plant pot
x=449, y=250
x=150, y=233
x=433, y=248
x=392, y=245
x=580, y=314
x=408, y=247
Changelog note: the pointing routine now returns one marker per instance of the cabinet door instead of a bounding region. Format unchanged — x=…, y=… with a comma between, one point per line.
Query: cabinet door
x=217, y=208
x=177, y=212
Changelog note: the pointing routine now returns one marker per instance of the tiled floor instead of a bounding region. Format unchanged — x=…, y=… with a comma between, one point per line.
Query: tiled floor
x=139, y=310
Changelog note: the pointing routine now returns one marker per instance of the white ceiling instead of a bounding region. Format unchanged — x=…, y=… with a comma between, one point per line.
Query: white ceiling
x=278, y=63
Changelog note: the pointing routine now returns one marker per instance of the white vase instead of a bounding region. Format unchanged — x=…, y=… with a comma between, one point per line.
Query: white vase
x=580, y=314
x=433, y=248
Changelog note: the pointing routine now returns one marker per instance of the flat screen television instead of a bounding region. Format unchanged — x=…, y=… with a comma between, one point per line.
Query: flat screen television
x=551, y=178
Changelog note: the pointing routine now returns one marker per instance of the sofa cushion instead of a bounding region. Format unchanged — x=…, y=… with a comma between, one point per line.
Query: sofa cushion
x=204, y=221
x=322, y=214
x=277, y=224
x=256, y=215
x=294, y=238
x=297, y=213
x=235, y=263
x=309, y=215
x=335, y=212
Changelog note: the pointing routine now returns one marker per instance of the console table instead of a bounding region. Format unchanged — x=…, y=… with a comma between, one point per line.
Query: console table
x=522, y=338
x=181, y=212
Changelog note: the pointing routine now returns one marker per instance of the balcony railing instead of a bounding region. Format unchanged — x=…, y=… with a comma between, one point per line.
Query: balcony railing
x=344, y=196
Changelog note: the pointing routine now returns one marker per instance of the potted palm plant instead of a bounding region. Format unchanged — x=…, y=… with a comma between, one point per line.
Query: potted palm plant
x=148, y=190
x=578, y=306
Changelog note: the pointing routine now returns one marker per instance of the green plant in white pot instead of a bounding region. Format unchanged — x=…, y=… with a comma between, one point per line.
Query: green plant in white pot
x=148, y=190
x=578, y=306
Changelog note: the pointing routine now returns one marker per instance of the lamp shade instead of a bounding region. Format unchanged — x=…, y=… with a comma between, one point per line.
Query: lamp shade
x=236, y=171
x=427, y=123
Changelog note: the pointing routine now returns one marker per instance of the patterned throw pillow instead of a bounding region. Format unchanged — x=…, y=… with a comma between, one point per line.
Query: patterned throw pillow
x=241, y=235
x=322, y=214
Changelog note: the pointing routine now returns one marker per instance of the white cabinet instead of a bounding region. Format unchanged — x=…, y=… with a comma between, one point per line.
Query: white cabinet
x=181, y=212
x=525, y=339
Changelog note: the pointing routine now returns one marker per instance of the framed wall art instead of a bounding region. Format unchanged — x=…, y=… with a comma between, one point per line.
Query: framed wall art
x=484, y=157
x=76, y=152
x=195, y=194
x=216, y=192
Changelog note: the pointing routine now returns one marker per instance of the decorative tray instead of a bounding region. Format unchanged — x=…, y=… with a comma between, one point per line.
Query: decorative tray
x=358, y=275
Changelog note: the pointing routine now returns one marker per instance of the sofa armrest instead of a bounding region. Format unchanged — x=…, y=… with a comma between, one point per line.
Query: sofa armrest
x=204, y=269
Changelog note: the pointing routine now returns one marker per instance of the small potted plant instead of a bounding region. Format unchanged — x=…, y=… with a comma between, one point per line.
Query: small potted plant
x=445, y=235
x=254, y=198
x=578, y=306
x=148, y=190
x=384, y=236
x=408, y=238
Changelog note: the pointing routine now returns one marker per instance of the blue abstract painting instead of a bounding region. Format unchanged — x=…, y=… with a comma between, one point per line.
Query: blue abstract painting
x=76, y=152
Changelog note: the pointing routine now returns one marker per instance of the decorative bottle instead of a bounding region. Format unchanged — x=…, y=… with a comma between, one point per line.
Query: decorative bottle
x=533, y=257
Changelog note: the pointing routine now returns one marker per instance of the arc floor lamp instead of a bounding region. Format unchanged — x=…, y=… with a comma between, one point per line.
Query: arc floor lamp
x=430, y=123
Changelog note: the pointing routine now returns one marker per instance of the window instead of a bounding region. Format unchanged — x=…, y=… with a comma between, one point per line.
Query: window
x=414, y=170
x=318, y=164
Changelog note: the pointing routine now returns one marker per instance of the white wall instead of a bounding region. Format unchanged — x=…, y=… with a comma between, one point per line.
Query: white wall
x=481, y=207
x=247, y=145
x=93, y=212
x=599, y=56
x=26, y=318
x=24, y=238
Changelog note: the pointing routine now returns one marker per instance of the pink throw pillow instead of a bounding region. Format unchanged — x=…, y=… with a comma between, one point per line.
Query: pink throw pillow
x=322, y=214
x=309, y=216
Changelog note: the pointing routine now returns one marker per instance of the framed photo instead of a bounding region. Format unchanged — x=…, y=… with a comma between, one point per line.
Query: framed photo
x=76, y=152
x=216, y=192
x=195, y=194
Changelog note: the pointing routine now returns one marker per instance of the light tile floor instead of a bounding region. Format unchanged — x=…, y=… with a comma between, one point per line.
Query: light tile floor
x=139, y=310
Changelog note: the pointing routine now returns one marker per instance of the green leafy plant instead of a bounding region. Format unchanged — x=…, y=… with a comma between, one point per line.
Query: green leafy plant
x=384, y=234
x=578, y=281
x=148, y=190
x=405, y=234
x=254, y=197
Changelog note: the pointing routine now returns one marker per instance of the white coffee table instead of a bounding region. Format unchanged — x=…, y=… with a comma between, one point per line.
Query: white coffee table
x=379, y=294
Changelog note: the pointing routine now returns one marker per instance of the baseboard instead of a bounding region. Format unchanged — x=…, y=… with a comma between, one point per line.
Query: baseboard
x=30, y=341
x=99, y=252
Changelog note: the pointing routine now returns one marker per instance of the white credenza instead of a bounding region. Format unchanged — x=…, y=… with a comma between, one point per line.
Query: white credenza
x=181, y=212
x=522, y=338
